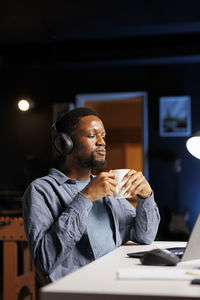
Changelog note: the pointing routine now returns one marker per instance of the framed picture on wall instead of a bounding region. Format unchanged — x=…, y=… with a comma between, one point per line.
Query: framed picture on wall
x=175, y=116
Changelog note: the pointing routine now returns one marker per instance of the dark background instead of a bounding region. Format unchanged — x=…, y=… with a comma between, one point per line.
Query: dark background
x=52, y=50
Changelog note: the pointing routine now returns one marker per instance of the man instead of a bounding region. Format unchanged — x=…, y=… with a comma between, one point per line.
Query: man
x=71, y=216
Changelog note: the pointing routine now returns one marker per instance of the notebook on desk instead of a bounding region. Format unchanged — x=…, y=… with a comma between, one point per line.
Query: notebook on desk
x=192, y=249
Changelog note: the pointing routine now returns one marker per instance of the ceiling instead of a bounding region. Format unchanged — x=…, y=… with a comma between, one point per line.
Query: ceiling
x=57, y=34
x=50, y=21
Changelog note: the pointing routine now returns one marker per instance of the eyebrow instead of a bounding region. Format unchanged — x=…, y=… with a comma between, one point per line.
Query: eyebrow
x=94, y=130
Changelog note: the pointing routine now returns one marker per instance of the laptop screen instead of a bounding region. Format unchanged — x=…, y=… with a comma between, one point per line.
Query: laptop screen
x=192, y=250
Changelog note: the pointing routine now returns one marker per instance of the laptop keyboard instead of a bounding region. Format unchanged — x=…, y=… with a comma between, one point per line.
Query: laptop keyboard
x=177, y=251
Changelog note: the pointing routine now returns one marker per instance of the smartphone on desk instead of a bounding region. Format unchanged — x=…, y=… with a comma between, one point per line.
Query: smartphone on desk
x=195, y=281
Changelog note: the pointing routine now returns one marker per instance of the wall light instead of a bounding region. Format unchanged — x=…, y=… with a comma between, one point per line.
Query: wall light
x=193, y=144
x=24, y=105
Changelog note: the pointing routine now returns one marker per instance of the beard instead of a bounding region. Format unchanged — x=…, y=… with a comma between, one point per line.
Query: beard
x=91, y=162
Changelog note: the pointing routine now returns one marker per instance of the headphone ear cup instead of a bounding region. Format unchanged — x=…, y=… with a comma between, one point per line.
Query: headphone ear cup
x=67, y=143
x=61, y=141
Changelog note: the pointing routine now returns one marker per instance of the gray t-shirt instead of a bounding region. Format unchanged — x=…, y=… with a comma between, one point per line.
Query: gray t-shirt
x=100, y=227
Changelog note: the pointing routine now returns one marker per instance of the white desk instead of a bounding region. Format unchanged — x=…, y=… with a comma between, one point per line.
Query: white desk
x=98, y=280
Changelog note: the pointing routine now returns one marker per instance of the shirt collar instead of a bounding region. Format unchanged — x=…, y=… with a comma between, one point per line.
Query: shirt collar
x=61, y=177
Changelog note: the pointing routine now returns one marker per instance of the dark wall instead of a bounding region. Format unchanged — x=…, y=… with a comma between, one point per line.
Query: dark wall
x=23, y=134
x=163, y=151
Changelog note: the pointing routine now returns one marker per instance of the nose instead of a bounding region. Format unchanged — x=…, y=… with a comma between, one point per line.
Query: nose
x=100, y=140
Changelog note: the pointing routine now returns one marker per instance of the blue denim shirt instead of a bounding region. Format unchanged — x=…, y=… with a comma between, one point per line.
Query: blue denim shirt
x=55, y=221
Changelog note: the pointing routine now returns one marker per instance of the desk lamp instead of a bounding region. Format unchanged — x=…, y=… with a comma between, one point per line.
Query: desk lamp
x=193, y=144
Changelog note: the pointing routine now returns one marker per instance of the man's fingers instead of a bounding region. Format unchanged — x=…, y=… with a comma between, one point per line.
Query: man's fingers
x=136, y=189
x=109, y=174
x=134, y=180
x=130, y=173
x=113, y=181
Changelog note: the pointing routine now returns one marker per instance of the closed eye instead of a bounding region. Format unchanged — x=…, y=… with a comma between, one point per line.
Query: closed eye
x=91, y=136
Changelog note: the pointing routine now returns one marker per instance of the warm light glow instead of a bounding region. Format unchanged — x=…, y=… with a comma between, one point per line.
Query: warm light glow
x=193, y=146
x=24, y=105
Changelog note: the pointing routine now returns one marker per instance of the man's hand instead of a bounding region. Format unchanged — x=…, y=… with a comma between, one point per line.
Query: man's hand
x=138, y=185
x=102, y=185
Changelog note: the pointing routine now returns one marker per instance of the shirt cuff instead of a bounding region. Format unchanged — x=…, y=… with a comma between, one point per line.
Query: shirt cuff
x=81, y=204
x=147, y=203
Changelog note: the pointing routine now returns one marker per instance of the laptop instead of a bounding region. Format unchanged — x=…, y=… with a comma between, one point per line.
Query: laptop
x=190, y=252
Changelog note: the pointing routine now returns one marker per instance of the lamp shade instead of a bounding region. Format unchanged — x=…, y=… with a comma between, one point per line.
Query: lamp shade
x=193, y=144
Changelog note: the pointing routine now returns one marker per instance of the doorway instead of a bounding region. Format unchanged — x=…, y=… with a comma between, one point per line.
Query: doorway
x=125, y=119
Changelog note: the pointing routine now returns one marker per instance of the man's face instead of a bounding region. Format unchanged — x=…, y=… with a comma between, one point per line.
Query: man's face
x=89, y=140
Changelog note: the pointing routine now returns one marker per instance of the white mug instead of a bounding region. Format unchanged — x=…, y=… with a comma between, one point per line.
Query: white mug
x=119, y=175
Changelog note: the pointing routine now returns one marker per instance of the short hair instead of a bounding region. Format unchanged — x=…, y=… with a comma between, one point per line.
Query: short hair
x=70, y=120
